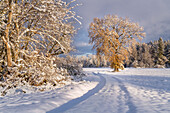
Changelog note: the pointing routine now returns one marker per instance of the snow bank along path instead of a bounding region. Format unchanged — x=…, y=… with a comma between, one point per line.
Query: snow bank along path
x=42, y=102
x=129, y=91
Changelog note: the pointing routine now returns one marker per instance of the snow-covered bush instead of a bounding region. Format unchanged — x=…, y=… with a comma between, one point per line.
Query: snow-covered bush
x=93, y=61
x=72, y=65
x=34, y=70
x=39, y=72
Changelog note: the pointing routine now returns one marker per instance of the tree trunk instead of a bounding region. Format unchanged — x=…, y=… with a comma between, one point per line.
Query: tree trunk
x=16, y=44
x=116, y=69
x=9, y=55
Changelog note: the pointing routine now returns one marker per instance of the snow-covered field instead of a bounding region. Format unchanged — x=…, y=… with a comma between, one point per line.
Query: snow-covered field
x=129, y=91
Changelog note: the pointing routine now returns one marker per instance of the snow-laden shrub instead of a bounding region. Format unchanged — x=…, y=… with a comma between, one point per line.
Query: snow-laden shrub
x=93, y=61
x=38, y=71
x=167, y=65
x=159, y=66
x=72, y=65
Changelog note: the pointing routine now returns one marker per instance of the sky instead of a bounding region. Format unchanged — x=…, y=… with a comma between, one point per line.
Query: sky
x=153, y=15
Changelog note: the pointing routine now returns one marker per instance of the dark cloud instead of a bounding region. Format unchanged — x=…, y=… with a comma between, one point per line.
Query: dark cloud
x=153, y=15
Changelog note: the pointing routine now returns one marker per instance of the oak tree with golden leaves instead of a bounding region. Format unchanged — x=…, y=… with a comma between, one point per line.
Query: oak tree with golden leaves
x=111, y=36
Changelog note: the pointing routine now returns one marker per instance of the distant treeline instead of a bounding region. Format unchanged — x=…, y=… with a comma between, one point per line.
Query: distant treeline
x=153, y=54
x=146, y=55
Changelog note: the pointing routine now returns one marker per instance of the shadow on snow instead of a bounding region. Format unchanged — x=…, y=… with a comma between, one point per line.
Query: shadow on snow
x=76, y=101
x=129, y=103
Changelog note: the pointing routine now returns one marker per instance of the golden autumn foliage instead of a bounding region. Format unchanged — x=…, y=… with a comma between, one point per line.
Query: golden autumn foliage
x=112, y=36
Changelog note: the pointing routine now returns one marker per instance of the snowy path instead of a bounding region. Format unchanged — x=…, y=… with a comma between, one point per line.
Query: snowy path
x=130, y=91
x=76, y=101
x=113, y=98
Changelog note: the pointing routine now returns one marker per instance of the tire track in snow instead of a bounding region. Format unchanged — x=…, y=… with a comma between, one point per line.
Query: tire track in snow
x=76, y=101
x=102, y=102
x=128, y=101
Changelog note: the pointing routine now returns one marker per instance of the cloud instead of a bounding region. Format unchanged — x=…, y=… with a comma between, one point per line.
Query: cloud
x=153, y=15
x=146, y=12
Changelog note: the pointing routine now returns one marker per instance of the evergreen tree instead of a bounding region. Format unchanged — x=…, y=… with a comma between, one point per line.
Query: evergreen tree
x=152, y=54
x=161, y=59
x=167, y=53
x=132, y=60
x=146, y=56
x=160, y=47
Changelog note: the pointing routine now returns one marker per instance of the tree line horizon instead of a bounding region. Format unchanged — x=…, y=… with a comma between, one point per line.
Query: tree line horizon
x=143, y=55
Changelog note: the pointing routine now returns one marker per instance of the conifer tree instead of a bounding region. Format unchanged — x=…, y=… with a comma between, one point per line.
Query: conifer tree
x=153, y=54
x=161, y=59
x=146, y=56
x=167, y=53
x=160, y=47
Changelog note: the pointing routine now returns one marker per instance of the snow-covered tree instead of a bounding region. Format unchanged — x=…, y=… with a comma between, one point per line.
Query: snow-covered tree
x=112, y=35
x=161, y=59
x=152, y=54
x=167, y=53
x=146, y=56
x=32, y=34
x=37, y=24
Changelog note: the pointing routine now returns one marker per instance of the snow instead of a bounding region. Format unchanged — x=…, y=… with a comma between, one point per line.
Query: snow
x=41, y=102
x=133, y=90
